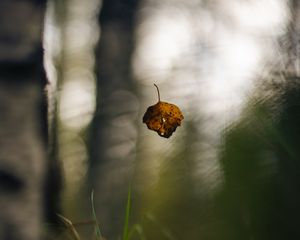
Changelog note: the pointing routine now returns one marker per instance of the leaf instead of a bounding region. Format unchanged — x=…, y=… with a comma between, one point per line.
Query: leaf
x=163, y=117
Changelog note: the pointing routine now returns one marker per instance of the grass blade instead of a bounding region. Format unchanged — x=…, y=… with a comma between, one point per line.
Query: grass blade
x=127, y=212
x=97, y=227
x=69, y=226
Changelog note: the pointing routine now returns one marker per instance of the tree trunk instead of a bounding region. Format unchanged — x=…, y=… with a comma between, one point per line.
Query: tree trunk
x=23, y=119
x=115, y=100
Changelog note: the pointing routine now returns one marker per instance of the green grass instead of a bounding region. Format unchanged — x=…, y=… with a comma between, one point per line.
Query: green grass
x=97, y=227
x=128, y=231
x=127, y=212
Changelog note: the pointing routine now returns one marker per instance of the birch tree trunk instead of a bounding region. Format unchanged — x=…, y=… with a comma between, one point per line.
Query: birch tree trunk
x=22, y=119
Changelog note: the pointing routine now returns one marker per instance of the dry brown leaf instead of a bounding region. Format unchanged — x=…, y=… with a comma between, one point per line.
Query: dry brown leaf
x=163, y=117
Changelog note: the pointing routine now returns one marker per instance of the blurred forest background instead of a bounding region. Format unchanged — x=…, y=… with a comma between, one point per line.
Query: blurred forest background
x=231, y=171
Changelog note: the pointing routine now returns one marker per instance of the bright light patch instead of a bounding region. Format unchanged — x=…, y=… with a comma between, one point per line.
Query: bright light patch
x=258, y=15
x=240, y=55
x=156, y=51
x=77, y=103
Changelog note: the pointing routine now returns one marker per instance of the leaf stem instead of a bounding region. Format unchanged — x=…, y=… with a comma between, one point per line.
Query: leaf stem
x=157, y=92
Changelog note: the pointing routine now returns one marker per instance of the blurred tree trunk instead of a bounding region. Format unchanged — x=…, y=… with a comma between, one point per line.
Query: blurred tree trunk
x=23, y=130
x=53, y=184
x=110, y=170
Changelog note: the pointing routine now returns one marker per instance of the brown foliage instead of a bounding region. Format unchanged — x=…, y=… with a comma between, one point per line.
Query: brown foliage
x=163, y=117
